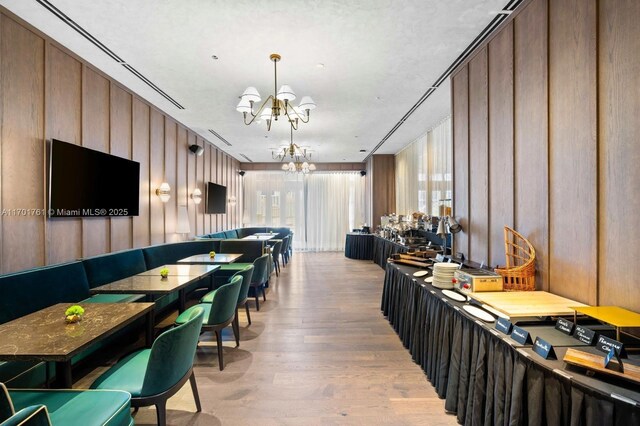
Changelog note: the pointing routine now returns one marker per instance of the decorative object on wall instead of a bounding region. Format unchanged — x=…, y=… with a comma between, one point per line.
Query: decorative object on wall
x=164, y=192
x=279, y=103
x=299, y=158
x=454, y=226
x=196, y=149
x=232, y=201
x=196, y=196
x=182, y=224
x=241, y=172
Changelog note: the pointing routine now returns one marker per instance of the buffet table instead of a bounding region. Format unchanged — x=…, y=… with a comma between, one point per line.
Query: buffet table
x=487, y=378
x=383, y=249
x=359, y=246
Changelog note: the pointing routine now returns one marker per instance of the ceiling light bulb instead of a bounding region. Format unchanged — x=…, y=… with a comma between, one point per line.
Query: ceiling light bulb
x=251, y=94
x=285, y=167
x=286, y=93
x=312, y=167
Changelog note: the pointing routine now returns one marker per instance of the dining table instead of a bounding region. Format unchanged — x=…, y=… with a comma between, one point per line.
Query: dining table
x=258, y=237
x=205, y=259
x=45, y=335
x=153, y=285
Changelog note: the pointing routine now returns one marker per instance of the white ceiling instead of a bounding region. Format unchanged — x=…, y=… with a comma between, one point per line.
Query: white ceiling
x=379, y=57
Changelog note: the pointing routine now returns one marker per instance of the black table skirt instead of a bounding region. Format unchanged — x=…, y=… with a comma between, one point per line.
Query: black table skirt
x=481, y=377
x=383, y=249
x=359, y=246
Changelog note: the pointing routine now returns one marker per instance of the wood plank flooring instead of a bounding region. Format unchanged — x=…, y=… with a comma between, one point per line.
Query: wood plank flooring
x=319, y=352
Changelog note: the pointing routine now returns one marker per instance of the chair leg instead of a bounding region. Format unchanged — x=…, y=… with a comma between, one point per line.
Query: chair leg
x=264, y=294
x=236, y=328
x=219, y=342
x=246, y=307
x=161, y=413
x=275, y=266
x=257, y=300
x=194, y=390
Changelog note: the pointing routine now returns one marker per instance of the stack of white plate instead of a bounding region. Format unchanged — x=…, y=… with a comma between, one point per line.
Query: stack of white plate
x=443, y=274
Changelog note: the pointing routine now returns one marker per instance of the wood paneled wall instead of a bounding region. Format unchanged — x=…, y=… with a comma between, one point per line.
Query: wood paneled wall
x=562, y=142
x=47, y=92
x=383, y=186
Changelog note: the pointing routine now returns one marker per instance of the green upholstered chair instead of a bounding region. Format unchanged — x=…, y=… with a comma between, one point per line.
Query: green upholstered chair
x=246, y=274
x=69, y=407
x=153, y=375
x=219, y=313
x=275, y=255
x=284, y=253
x=260, y=278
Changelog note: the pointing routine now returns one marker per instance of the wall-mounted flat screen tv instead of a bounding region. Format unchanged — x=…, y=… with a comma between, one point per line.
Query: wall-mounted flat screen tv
x=216, y=199
x=85, y=183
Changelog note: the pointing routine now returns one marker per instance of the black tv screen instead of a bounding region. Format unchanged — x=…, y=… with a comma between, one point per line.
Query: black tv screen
x=84, y=182
x=216, y=199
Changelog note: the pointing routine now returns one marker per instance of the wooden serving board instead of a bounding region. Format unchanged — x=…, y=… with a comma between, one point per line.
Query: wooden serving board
x=416, y=258
x=409, y=262
x=527, y=303
x=596, y=363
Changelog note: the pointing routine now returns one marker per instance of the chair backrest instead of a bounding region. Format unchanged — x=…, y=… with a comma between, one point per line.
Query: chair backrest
x=261, y=270
x=285, y=243
x=172, y=355
x=34, y=415
x=246, y=275
x=225, y=300
x=6, y=406
x=277, y=248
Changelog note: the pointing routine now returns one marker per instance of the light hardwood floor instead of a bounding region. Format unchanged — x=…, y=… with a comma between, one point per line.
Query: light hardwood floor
x=319, y=352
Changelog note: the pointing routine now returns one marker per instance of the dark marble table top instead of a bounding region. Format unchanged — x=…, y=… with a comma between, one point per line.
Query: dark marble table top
x=147, y=284
x=184, y=270
x=44, y=335
x=204, y=259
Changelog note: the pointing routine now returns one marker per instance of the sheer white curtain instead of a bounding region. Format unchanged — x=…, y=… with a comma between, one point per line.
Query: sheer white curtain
x=423, y=172
x=275, y=199
x=335, y=205
x=320, y=208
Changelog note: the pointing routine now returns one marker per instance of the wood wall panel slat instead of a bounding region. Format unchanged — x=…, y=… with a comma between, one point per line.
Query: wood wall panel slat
x=170, y=207
x=64, y=122
x=531, y=127
x=478, y=159
x=383, y=186
x=207, y=178
x=460, y=90
x=156, y=164
x=619, y=150
x=500, y=142
x=120, y=121
x=200, y=161
x=140, y=153
x=95, y=135
x=23, y=150
x=191, y=185
x=573, y=172
x=181, y=173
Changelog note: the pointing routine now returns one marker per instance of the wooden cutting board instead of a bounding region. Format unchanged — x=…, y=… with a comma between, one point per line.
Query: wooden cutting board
x=596, y=363
x=527, y=303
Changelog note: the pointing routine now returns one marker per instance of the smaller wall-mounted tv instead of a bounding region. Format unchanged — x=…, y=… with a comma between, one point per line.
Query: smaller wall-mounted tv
x=216, y=199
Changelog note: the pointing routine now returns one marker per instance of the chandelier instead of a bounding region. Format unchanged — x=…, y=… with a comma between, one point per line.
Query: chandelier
x=299, y=158
x=276, y=105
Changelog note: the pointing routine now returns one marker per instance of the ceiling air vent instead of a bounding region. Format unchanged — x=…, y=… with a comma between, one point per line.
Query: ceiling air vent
x=97, y=43
x=214, y=133
x=246, y=158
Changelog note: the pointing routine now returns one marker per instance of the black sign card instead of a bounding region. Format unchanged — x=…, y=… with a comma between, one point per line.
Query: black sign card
x=564, y=326
x=605, y=344
x=503, y=325
x=544, y=349
x=584, y=334
x=521, y=336
x=616, y=366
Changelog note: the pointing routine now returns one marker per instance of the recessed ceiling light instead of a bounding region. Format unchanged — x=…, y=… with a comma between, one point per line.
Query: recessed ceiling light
x=214, y=57
x=355, y=136
x=363, y=150
x=320, y=65
x=378, y=98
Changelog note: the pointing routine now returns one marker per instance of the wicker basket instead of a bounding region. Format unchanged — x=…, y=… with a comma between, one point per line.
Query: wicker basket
x=520, y=272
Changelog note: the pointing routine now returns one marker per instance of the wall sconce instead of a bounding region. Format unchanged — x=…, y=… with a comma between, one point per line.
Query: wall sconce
x=232, y=200
x=196, y=196
x=164, y=192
